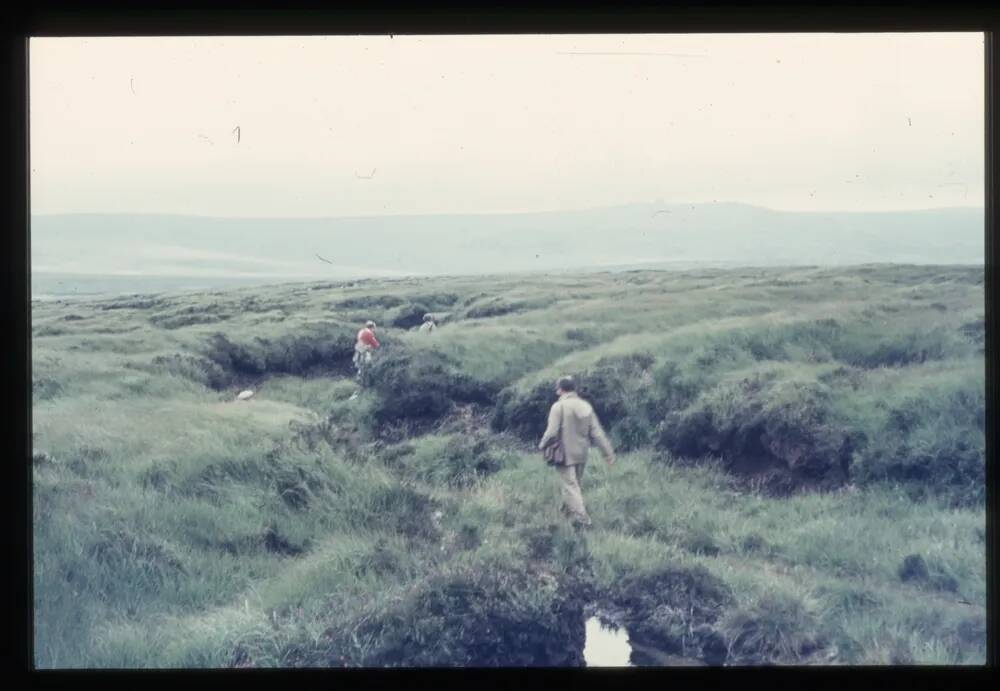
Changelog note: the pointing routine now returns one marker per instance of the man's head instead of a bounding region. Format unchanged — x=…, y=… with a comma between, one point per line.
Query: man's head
x=428, y=317
x=370, y=324
x=565, y=385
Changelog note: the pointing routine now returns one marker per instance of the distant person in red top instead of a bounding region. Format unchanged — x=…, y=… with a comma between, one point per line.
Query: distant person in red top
x=363, y=348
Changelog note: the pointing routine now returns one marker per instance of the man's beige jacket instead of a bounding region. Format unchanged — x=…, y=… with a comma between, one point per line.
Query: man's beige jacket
x=574, y=421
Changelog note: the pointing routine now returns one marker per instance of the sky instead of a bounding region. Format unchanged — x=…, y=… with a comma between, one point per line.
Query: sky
x=370, y=125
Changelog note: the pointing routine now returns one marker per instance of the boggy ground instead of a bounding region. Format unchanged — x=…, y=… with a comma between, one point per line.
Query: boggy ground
x=800, y=477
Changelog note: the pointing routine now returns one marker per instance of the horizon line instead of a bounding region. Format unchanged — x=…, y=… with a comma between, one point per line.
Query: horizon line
x=506, y=213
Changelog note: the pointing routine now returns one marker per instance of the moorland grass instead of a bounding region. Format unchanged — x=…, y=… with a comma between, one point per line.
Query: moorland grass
x=175, y=527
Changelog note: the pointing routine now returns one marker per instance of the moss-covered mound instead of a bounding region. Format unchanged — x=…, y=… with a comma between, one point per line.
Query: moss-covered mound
x=473, y=618
x=417, y=388
x=777, y=430
x=675, y=609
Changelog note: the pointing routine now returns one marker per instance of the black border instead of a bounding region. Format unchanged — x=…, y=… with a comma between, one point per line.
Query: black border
x=304, y=18
x=992, y=247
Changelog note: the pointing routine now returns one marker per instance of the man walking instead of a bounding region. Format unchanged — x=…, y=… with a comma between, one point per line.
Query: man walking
x=574, y=426
x=363, y=347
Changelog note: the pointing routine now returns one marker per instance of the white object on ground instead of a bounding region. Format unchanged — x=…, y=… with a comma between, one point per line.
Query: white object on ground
x=245, y=395
x=605, y=647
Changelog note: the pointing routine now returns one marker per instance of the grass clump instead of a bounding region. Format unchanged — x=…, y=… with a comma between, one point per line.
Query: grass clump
x=302, y=351
x=420, y=387
x=486, y=617
x=129, y=555
x=764, y=425
x=455, y=461
x=927, y=435
x=199, y=369
x=778, y=628
x=915, y=569
x=674, y=608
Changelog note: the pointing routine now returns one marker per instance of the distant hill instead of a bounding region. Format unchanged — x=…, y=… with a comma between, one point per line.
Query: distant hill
x=208, y=250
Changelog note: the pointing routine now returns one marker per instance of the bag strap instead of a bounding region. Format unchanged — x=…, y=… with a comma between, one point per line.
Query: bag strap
x=562, y=425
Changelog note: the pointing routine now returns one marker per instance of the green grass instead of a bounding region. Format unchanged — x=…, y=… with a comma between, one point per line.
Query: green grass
x=175, y=527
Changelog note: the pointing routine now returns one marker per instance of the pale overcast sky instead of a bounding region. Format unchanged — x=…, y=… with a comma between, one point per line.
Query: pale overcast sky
x=333, y=126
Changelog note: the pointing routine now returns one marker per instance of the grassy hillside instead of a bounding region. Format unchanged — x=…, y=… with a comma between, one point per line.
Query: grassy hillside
x=800, y=476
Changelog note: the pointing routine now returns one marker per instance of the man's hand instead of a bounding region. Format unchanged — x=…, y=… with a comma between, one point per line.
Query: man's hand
x=611, y=460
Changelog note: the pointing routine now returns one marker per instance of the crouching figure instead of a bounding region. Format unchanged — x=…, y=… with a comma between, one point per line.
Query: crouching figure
x=429, y=324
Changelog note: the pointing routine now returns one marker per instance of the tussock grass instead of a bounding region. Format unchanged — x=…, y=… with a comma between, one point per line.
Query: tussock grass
x=414, y=523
